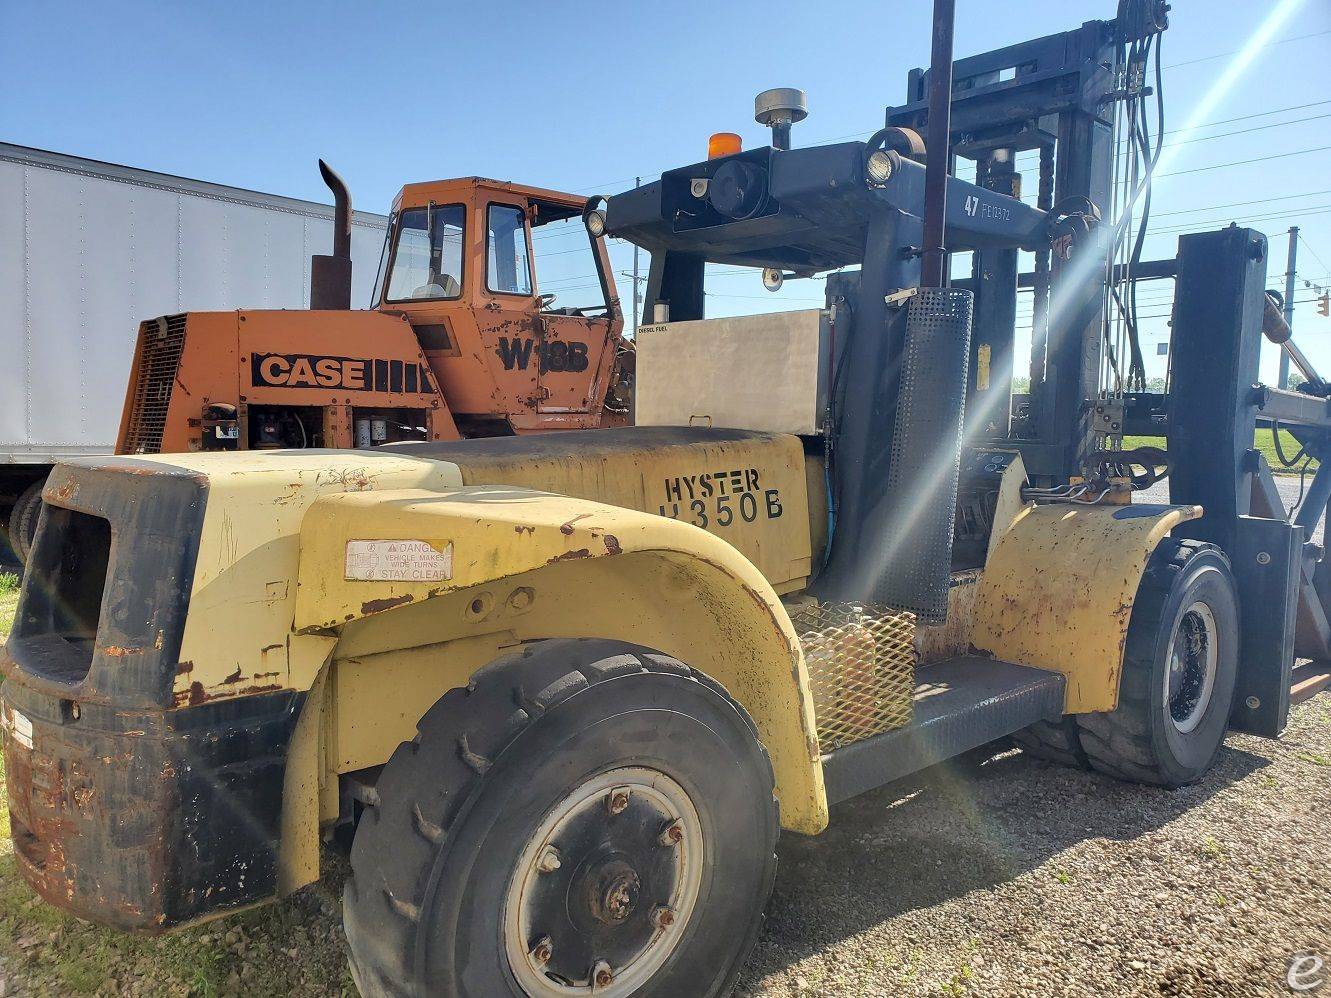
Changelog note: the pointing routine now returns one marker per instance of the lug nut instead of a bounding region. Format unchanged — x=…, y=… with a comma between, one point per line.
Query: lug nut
x=543, y=950
x=672, y=834
x=663, y=917
x=618, y=800
x=602, y=976
x=549, y=861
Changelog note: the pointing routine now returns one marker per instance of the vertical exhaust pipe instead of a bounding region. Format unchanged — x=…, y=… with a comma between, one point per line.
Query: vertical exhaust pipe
x=330, y=276
x=900, y=429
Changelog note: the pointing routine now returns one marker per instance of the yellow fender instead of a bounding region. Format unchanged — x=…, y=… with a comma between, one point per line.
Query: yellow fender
x=405, y=571
x=1058, y=590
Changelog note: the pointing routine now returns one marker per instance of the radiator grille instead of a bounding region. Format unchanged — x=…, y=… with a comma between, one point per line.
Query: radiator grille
x=160, y=344
x=861, y=664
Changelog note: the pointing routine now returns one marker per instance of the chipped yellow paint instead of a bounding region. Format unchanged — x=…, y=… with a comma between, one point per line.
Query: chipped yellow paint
x=722, y=485
x=1058, y=590
x=249, y=547
x=709, y=599
x=530, y=565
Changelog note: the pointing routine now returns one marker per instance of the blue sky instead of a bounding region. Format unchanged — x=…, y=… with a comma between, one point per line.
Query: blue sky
x=584, y=96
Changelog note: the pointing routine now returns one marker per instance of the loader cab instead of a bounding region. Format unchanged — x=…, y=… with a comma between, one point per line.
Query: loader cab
x=511, y=296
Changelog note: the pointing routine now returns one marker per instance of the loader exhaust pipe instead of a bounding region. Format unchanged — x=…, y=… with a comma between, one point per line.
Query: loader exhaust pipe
x=330, y=276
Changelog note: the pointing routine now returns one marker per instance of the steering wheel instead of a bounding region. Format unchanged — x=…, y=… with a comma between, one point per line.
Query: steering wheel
x=546, y=300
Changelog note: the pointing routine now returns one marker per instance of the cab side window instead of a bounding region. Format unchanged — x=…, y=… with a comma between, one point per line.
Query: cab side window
x=427, y=260
x=567, y=269
x=508, y=269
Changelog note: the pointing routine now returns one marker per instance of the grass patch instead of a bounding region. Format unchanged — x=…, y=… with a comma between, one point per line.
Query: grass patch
x=1261, y=440
x=8, y=602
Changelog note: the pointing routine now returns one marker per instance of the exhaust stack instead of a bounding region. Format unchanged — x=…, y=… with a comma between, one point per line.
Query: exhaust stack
x=330, y=276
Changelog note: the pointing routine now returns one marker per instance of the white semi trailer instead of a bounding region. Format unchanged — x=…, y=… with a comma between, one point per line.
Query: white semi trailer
x=87, y=251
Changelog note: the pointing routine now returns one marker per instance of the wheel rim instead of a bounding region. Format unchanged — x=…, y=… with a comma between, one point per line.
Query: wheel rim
x=1190, y=676
x=604, y=889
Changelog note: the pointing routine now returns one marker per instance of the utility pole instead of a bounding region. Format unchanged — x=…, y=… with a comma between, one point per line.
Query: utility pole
x=637, y=182
x=1283, y=382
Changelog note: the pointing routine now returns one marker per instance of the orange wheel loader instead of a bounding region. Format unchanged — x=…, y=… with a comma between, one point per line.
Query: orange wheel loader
x=494, y=313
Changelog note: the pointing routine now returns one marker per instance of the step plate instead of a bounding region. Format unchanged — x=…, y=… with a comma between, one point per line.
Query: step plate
x=960, y=704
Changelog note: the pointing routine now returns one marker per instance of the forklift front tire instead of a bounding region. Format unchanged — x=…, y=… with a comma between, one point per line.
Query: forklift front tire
x=1179, y=668
x=585, y=817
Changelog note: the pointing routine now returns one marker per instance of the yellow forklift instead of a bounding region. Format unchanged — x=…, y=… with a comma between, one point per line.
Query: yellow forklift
x=565, y=691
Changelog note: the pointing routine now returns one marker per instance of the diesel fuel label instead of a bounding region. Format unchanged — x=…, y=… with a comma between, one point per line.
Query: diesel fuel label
x=719, y=498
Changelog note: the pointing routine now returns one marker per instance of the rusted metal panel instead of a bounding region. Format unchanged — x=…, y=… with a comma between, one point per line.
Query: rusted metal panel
x=1058, y=590
x=748, y=488
x=147, y=820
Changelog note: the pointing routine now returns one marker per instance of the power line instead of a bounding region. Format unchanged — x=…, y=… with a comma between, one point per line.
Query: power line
x=1320, y=209
x=1221, y=55
x=1247, y=117
x=1313, y=252
x=599, y=188
x=1243, y=162
x=1238, y=204
x=1245, y=131
x=1223, y=135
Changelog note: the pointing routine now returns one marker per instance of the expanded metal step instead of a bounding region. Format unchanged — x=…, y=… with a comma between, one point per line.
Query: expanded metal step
x=960, y=704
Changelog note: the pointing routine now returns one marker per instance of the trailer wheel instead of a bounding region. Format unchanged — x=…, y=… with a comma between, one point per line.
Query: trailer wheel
x=586, y=817
x=1179, y=667
x=23, y=519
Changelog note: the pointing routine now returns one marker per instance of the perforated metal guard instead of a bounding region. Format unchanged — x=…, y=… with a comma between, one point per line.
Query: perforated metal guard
x=861, y=664
x=161, y=342
x=926, y=448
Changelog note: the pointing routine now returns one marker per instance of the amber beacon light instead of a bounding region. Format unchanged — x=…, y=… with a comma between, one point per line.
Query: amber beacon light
x=723, y=144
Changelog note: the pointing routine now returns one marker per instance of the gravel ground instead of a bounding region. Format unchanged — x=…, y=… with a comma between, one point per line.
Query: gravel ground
x=1015, y=877
x=1025, y=878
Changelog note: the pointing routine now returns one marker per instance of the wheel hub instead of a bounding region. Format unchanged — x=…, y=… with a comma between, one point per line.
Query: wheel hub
x=604, y=917
x=617, y=897
x=1193, y=656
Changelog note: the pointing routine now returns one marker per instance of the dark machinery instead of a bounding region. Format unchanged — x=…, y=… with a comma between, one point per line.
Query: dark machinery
x=907, y=357
x=568, y=688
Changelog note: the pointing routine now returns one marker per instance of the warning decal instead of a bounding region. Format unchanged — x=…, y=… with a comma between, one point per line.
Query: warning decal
x=399, y=561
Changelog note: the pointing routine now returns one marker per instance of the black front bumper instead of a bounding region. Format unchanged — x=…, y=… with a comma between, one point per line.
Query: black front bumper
x=145, y=821
x=128, y=808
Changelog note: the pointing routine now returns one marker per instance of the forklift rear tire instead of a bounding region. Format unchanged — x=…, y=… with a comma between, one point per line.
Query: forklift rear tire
x=1179, y=666
x=584, y=817
x=23, y=519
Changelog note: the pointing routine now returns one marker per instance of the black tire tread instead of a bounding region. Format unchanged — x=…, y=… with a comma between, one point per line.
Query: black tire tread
x=1118, y=743
x=463, y=733
x=23, y=519
x=1053, y=741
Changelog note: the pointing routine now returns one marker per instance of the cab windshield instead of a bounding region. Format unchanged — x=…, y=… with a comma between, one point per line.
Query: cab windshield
x=426, y=259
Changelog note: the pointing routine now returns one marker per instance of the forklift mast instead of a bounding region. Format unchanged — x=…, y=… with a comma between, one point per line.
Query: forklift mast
x=1056, y=95
x=908, y=364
